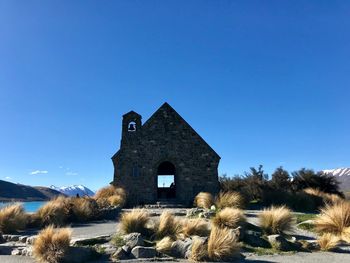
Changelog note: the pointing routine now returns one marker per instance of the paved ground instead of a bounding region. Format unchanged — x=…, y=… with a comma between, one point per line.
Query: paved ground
x=109, y=227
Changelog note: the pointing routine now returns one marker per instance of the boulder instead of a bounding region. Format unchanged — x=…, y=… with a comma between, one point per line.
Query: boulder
x=143, y=252
x=280, y=243
x=2, y=239
x=22, y=239
x=90, y=241
x=127, y=249
x=254, y=239
x=107, y=248
x=179, y=248
x=30, y=240
x=133, y=239
x=120, y=254
x=79, y=255
x=110, y=213
x=194, y=212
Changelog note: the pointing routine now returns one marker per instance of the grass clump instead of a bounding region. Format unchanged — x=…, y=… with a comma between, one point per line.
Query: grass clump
x=118, y=241
x=55, y=212
x=52, y=245
x=83, y=209
x=204, y=200
x=199, y=250
x=165, y=245
x=223, y=245
x=12, y=218
x=194, y=227
x=335, y=219
x=229, y=199
x=134, y=221
x=276, y=220
x=168, y=225
x=111, y=195
x=327, y=241
x=229, y=217
x=326, y=197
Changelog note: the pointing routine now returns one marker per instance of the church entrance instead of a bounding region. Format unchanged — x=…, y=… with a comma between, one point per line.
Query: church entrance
x=166, y=188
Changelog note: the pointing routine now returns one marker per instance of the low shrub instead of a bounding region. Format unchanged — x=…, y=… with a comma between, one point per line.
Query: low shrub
x=84, y=209
x=204, y=200
x=229, y=217
x=334, y=219
x=327, y=241
x=134, y=221
x=223, y=244
x=276, y=220
x=229, y=199
x=326, y=197
x=168, y=225
x=52, y=245
x=194, y=227
x=12, y=218
x=111, y=195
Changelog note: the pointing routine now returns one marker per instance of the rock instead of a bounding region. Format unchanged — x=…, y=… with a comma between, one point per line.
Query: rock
x=79, y=255
x=107, y=248
x=2, y=239
x=17, y=252
x=27, y=251
x=239, y=232
x=194, y=212
x=133, y=240
x=30, y=240
x=179, y=248
x=143, y=252
x=127, y=249
x=280, y=243
x=110, y=213
x=90, y=241
x=22, y=239
x=254, y=239
x=207, y=214
x=120, y=254
x=6, y=250
x=13, y=238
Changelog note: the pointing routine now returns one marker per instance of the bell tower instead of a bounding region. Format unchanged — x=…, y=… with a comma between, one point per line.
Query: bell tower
x=131, y=126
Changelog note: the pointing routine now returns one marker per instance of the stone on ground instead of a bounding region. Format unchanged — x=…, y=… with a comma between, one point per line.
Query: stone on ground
x=143, y=252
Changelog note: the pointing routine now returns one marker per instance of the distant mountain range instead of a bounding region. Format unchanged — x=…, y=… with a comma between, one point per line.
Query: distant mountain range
x=342, y=175
x=73, y=190
x=19, y=192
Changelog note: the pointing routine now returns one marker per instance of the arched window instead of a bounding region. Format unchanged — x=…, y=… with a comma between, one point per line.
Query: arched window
x=132, y=126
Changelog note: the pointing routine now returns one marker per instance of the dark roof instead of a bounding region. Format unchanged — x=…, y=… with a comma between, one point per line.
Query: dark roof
x=132, y=113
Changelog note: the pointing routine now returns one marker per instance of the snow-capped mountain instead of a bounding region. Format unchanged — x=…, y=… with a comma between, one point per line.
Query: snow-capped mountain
x=73, y=190
x=342, y=175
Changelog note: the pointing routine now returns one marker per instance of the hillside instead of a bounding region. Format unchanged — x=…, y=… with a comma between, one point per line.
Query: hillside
x=342, y=175
x=18, y=192
x=73, y=190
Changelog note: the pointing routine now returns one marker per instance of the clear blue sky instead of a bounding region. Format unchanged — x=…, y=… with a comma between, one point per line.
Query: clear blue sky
x=264, y=82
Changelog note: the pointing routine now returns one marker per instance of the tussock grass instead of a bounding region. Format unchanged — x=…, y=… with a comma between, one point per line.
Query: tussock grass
x=168, y=225
x=165, y=245
x=115, y=196
x=229, y=217
x=55, y=212
x=134, y=221
x=12, y=218
x=229, y=199
x=199, y=250
x=327, y=241
x=326, y=197
x=204, y=200
x=84, y=209
x=52, y=245
x=194, y=227
x=276, y=220
x=335, y=219
x=223, y=245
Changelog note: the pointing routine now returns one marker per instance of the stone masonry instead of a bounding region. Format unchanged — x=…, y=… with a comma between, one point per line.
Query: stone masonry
x=164, y=144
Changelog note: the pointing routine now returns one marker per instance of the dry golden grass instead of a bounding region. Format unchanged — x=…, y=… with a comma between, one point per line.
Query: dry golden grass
x=52, y=245
x=115, y=196
x=204, y=200
x=164, y=245
x=55, y=212
x=12, y=218
x=334, y=219
x=84, y=209
x=327, y=198
x=276, y=220
x=194, y=227
x=199, y=250
x=327, y=241
x=134, y=221
x=229, y=199
x=229, y=217
x=168, y=225
x=223, y=244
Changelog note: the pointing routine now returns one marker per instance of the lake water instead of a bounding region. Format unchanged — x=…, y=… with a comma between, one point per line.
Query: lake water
x=28, y=206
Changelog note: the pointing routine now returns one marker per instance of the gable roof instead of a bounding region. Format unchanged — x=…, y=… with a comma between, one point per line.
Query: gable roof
x=166, y=107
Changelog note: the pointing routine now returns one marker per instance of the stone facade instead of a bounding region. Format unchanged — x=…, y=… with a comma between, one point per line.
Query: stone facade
x=164, y=144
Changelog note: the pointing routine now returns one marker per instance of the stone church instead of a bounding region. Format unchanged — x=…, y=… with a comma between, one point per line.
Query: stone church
x=163, y=159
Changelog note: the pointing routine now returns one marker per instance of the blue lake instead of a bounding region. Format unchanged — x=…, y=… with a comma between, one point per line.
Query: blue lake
x=28, y=206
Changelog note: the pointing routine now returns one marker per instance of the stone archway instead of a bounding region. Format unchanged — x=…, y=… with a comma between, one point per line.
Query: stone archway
x=166, y=188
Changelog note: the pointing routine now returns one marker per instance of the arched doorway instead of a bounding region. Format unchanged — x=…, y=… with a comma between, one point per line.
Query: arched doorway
x=166, y=188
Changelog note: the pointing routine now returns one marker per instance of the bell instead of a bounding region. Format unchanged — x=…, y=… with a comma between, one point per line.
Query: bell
x=132, y=127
